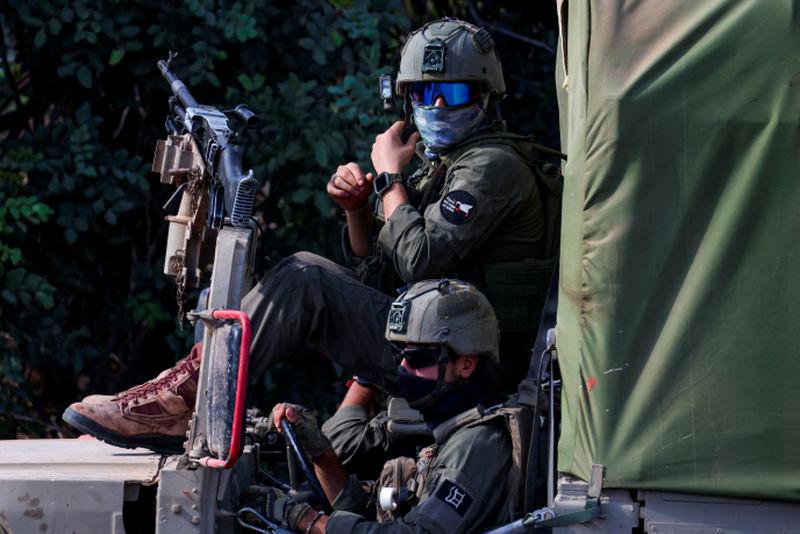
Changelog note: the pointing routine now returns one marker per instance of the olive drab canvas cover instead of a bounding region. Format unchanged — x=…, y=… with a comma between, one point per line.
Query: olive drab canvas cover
x=679, y=303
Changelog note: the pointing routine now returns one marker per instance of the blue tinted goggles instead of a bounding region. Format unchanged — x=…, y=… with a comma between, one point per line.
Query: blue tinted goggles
x=453, y=93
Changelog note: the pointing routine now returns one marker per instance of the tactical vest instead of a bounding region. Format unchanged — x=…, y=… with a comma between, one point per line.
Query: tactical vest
x=407, y=478
x=516, y=289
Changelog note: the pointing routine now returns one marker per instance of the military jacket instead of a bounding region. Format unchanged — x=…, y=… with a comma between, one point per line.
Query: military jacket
x=484, y=208
x=363, y=444
x=459, y=483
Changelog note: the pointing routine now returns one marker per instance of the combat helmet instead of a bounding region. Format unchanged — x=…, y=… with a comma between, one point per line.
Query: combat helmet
x=445, y=312
x=454, y=51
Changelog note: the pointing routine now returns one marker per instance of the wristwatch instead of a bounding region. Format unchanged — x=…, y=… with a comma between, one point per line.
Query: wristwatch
x=385, y=180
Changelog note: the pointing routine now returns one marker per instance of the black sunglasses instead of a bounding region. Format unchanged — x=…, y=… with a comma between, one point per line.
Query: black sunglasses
x=421, y=356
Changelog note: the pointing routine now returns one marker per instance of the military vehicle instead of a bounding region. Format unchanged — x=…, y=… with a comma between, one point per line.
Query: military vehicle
x=667, y=374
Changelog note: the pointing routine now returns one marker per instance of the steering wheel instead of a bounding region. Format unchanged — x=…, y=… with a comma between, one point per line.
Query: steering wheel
x=305, y=466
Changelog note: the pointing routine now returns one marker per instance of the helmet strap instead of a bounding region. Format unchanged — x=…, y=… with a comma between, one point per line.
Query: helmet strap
x=405, y=99
x=496, y=115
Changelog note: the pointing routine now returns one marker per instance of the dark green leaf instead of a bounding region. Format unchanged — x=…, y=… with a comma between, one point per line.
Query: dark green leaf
x=246, y=82
x=116, y=56
x=133, y=46
x=84, y=76
x=14, y=256
x=45, y=299
x=15, y=278
x=300, y=196
x=54, y=25
x=40, y=38
x=323, y=202
x=129, y=31
x=321, y=153
x=337, y=38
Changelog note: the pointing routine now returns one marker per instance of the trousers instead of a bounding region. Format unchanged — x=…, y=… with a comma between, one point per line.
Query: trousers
x=308, y=299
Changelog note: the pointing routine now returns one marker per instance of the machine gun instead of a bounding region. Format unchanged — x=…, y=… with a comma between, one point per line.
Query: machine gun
x=201, y=155
x=232, y=191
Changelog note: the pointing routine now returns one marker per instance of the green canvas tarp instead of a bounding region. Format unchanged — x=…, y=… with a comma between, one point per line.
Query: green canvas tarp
x=679, y=303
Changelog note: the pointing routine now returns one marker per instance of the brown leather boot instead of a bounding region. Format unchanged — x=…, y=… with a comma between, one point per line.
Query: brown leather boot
x=154, y=415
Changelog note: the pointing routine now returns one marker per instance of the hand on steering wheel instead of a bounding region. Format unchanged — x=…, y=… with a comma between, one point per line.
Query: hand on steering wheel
x=305, y=465
x=299, y=426
x=304, y=422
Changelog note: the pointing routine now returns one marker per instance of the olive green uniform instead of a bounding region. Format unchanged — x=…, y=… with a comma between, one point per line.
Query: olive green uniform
x=459, y=482
x=504, y=224
x=308, y=299
x=363, y=444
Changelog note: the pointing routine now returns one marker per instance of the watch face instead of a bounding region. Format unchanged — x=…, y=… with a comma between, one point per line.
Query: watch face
x=381, y=182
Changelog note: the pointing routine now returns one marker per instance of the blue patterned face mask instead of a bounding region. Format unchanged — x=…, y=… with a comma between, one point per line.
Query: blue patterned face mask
x=441, y=128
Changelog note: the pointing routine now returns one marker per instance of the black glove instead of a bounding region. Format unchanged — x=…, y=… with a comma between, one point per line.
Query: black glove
x=282, y=509
x=308, y=432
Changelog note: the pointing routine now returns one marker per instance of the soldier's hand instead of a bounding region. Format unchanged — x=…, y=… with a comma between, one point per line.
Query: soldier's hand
x=389, y=153
x=281, y=508
x=349, y=187
x=305, y=426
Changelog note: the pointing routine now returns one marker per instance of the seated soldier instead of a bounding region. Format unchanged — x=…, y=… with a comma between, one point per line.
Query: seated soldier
x=446, y=335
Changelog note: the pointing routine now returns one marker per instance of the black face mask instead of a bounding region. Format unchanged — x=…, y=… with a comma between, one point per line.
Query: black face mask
x=458, y=398
x=414, y=388
x=436, y=400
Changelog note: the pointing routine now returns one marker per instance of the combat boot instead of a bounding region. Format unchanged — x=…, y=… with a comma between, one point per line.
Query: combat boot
x=154, y=415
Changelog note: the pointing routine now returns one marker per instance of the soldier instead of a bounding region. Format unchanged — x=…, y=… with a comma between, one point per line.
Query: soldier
x=472, y=210
x=447, y=343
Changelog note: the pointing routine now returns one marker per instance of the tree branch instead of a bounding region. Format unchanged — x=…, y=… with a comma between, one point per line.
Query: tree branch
x=508, y=33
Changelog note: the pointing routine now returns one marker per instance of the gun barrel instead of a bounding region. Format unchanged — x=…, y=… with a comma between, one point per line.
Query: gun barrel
x=179, y=88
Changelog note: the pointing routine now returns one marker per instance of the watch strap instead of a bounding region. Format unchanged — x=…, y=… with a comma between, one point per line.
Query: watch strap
x=383, y=182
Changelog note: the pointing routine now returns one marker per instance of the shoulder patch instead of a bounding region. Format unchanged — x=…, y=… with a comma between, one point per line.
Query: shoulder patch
x=458, y=207
x=454, y=496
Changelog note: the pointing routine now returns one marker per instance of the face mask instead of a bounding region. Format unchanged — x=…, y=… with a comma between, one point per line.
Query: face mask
x=413, y=388
x=456, y=400
x=440, y=406
x=441, y=128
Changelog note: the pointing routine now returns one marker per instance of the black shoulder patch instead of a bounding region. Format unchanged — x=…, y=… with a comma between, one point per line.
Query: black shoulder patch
x=454, y=496
x=458, y=207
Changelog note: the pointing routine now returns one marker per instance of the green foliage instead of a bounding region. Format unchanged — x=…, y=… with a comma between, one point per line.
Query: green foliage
x=84, y=306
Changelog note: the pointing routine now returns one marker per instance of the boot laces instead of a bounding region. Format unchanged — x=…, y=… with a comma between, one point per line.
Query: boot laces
x=186, y=365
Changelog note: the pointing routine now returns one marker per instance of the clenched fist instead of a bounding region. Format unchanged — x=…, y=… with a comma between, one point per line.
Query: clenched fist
x=349, y=187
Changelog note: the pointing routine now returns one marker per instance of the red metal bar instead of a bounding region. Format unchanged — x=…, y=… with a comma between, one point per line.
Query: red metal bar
x=241, y=391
